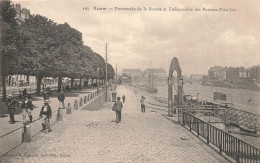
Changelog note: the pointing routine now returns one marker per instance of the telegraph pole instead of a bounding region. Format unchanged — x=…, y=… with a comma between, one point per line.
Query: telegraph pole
x=106, y=74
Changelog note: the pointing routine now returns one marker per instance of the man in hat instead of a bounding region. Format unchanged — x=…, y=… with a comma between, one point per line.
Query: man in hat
x=142, y=104
x=61, y=98
x=46, y=94
x=45, y=114
x=123, y=98
x=27, y=107
x=11, y=104
x=117, y=107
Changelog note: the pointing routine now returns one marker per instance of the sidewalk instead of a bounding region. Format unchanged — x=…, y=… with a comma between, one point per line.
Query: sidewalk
x=13, y=139
x=93, y=136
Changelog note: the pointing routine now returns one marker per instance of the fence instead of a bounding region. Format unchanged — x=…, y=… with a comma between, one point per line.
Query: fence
x=243, y=118
x=230, y=145
x=229, y=115
x=17, y=91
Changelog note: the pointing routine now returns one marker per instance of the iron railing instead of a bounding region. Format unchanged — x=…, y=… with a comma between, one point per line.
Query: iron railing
x=243, y=118
x=229, y=115
x=230, y=145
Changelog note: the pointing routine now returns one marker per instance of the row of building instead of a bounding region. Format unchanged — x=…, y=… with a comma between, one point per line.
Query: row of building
x=138, y=73
x=235, y=74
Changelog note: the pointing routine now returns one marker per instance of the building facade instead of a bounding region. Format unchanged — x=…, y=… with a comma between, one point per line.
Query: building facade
x=133, y=73
x=235, y=74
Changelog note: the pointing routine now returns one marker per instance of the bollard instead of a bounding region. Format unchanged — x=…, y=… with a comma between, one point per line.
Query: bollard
x=88, y=97
x=81, y=102
x=85, y=99
x=26, y=134
x=75, y=105
x=68, y=110
x=59, y=114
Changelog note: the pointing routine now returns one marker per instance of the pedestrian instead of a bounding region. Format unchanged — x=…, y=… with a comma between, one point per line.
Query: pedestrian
x=61, y=98
x=12, y=105
x=45, y=114
x=142, y=104
x=27, y=107
x=117, y=107
x=46, y=94
x=25, y=92
x=123, y=97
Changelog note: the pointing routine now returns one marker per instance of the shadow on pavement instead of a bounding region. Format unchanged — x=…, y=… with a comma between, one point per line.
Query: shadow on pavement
x=168, y=118
x=113, y=121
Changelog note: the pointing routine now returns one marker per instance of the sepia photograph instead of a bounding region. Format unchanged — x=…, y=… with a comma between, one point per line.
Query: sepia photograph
x=174, y=81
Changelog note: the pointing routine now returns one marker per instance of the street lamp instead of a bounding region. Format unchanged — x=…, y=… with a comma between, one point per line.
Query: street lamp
x=97, y=80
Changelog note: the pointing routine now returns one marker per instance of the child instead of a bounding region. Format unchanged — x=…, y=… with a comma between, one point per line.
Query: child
x=46, y=115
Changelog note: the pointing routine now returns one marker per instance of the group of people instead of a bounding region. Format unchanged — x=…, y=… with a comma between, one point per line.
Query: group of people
x=27, y=107
x=46, y=111
x=118, y=105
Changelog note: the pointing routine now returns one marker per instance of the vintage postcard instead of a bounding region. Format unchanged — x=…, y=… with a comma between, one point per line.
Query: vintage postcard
x=130, y=81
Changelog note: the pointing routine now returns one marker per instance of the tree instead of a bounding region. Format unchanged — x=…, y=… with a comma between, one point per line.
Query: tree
x=40, y=47
x=8, y=30
x=37, y=47
x=110, y=71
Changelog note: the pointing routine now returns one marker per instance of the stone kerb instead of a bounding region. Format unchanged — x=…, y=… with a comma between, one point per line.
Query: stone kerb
x=26, y=134
x=68, y=109
x=89, y=98
x=60, y=114
x=96, y=103
x=85, y=99
x=81, y=101
x=76, y=105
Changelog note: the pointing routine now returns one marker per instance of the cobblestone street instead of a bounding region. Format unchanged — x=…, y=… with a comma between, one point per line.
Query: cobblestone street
x=93, y=136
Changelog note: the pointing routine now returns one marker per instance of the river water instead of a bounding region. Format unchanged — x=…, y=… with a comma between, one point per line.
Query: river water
x=247, y=100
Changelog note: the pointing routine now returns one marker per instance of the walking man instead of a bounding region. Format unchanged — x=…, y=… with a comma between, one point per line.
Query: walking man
x=123, y=97
x=45, y=114
x=46, y=94
x=11, y=104
x=61, y=98
x=117, y=107
x=27, y=107
x=142, y=104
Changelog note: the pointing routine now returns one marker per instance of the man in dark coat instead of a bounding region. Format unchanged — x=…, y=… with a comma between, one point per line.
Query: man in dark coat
x=61, y=98
x=27, y=107
x=12, y=105
x=123, y=98
x=46, y=94
x=45, y=114
x=117, y=107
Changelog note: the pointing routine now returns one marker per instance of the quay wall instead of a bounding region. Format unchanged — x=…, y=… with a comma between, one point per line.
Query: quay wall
x=96, y=103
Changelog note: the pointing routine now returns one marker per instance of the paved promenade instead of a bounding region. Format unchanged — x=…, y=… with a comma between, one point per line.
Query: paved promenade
x=14, y=138
x=93, y=136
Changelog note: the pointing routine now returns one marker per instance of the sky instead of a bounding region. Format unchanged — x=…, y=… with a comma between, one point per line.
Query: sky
x=144, y=39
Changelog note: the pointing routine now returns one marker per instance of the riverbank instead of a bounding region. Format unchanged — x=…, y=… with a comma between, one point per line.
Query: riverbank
x=233, y=86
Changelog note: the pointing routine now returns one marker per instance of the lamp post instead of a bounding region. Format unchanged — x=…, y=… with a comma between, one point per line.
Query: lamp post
x=97, y=80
